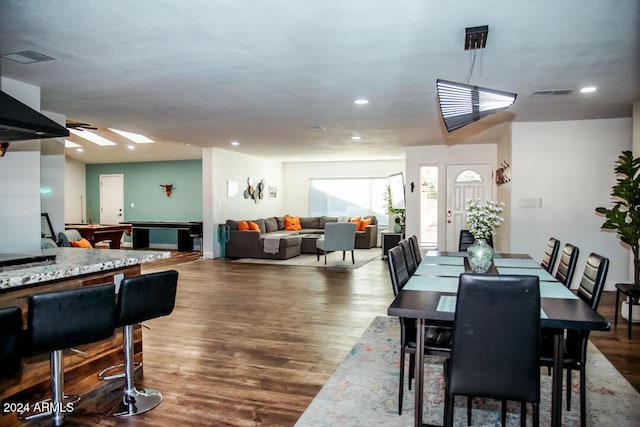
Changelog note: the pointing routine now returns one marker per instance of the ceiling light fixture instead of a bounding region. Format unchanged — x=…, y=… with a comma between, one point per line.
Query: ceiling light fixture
x=135, y=137
x=462, y=103
x=361, y=101
x=131, y=147
x=588, y=89
x=90, y=136
x=356, y=138
x=235, y=143
x=80, y=150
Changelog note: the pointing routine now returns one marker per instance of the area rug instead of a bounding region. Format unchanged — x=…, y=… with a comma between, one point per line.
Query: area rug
x=334, y=259
x=364, y=391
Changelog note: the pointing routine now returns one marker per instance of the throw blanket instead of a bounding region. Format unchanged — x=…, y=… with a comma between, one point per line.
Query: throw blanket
x=272, y=243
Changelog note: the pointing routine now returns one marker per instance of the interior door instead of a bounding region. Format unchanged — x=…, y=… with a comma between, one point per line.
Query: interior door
x=111, y=199
x=464, y=182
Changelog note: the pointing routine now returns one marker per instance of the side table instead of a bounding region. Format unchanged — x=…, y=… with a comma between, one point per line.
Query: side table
x=632, y=291
x=389, y=240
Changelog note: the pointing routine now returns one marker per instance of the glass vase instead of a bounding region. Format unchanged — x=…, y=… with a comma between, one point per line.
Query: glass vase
x=480, y=256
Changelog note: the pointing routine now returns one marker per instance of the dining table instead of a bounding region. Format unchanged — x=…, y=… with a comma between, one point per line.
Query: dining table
x=429, y=296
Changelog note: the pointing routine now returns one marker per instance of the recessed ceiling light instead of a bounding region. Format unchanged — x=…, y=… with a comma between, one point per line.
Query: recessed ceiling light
x=131, y=147
x=135, y=137
x=70, y=144
x=356, y=138
x=588, y=89
x=361, y=101
x=90, y=136
x=235, y=143
x=79, y=150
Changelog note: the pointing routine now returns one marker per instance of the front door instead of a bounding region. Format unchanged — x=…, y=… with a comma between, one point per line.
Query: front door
x=464, y=182
x=111, y=199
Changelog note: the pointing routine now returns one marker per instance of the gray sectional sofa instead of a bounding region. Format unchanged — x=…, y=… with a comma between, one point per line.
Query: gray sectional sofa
x=250, y=244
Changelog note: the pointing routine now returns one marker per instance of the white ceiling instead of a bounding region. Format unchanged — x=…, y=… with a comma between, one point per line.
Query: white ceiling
x=268, y=72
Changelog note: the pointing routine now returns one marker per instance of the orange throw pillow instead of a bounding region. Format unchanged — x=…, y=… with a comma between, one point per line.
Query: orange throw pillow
x=243, y=226
x=364, y=223
x=82, y=243
x=358, y=221
x=291, y=223
x=253, y=226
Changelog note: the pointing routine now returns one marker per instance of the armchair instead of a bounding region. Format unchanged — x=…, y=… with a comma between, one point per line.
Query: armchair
x=338, y=236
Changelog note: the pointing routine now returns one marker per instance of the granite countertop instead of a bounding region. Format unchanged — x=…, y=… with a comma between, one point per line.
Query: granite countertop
x=71, y=262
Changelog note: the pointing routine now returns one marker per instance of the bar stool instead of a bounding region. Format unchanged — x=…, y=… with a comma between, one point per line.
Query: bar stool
x=10, y=348
x=140, y=298
x=64, y=319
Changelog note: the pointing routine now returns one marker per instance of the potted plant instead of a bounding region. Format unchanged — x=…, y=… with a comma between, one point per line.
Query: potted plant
x=624, y=216
x=399, y=214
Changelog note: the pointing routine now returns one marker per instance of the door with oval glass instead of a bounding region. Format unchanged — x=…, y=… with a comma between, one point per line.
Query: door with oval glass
x=464, y=182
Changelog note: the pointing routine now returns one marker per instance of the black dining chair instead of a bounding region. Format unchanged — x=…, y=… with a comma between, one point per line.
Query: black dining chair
x=409, y=258
x=567, y=264
x=437, y=339
x=415, y=249
x=467, y=239
x=575, y=343
x=550, y=254
x=496, y=347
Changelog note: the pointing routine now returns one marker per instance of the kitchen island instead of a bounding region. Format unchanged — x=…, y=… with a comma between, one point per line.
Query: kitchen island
x=57, y=269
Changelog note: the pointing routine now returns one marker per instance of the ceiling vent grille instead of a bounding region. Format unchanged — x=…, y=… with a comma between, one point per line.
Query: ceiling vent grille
x=552, y=92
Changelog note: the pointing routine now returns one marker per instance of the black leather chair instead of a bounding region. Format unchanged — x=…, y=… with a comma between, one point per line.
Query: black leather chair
x=575, y=357
x=415, y=249
x=10, y=341
x=495, y=347
x=409, y=258
x=467, y=239
x=550, y=255
x=64, y=319
x=437, y=339
x=567, y=264
x=140, y=298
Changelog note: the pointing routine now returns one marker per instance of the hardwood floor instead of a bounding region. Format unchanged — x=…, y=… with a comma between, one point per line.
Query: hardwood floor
x=251, y=345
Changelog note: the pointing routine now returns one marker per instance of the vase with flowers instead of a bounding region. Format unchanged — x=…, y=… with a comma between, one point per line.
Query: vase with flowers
x=482, y=220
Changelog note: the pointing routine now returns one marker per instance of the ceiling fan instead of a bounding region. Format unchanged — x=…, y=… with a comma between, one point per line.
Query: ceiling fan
x=72, y=124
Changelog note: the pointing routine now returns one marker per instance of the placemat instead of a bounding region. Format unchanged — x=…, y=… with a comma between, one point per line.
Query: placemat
x=432, y=283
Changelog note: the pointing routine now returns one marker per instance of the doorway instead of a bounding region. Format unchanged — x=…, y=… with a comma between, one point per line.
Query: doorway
x=111, y=199
x=429, y=207
x=464, y=182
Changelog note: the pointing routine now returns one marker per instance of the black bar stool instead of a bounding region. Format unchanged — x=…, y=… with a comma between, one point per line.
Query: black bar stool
x=140, y=298
x=64, y=319
x=10, y=344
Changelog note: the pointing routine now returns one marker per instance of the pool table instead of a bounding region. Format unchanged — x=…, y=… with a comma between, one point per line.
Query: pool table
x=95, y=233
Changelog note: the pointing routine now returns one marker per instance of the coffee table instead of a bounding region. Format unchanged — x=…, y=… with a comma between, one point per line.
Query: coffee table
x=308, y=245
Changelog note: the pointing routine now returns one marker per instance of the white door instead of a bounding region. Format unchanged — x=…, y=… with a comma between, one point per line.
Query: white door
x=464, y=182
x=111, y=199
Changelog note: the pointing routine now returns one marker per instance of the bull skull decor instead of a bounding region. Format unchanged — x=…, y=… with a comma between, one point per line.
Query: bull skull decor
x=167, y=189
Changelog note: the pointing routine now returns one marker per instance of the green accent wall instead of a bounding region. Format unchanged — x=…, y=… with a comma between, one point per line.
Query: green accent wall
x=142, y=188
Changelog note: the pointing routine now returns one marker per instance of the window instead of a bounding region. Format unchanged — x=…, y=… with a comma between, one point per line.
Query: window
x=468, y=176
x=348, y=197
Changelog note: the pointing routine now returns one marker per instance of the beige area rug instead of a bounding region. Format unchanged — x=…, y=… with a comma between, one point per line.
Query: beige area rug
x=334, y=259
x=364, y=391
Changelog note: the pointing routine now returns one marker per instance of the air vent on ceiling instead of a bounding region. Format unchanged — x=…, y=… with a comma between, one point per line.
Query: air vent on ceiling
x=318, y=128
x=552, y=92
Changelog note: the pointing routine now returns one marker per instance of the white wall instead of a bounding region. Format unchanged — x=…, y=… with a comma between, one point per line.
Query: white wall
x=569, y=166
x=441, y=156
x=20, y=207
x=20, y=167
x=297, y=175
x=52, y=188
x=219, y=166
x=75, y=191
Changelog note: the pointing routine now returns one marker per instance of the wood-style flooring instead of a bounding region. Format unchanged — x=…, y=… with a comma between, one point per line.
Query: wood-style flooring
x=251, y=345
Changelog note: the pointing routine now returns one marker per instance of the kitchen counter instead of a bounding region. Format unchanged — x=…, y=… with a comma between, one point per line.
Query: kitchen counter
x=72, y=262
x=72, y=268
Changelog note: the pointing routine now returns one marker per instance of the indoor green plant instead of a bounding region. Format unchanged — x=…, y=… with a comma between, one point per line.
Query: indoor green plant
x=399, y=214
x=624, y=216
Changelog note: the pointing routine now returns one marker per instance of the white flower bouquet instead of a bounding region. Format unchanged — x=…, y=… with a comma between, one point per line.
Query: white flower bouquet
x=483, y=219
